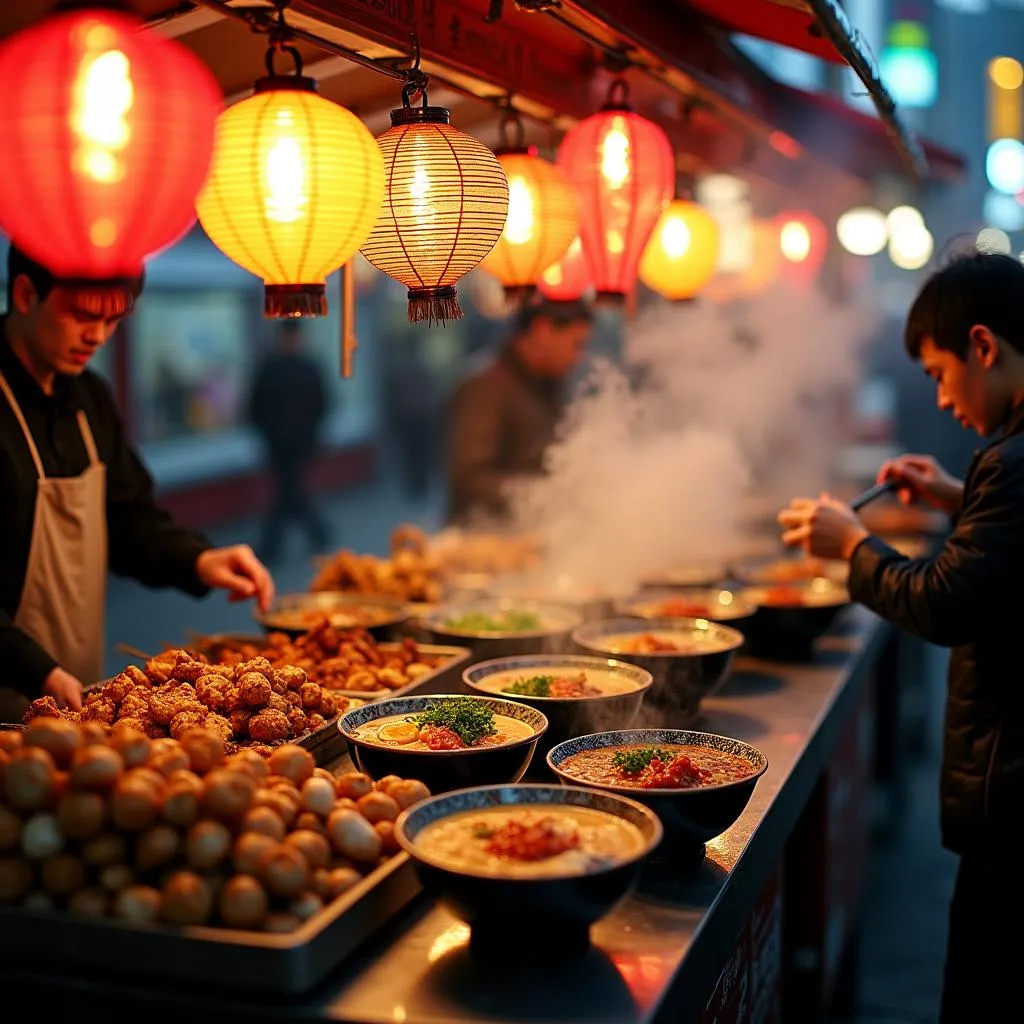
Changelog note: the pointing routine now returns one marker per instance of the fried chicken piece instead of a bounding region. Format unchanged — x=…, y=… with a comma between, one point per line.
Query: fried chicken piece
x=189, y=668
x=309, y=693
x=293, y=699
x=161, y=708
x=292, y=676
x=136, y=704
x=278, y=703
x=233, y=699
x=239, y=722
x=159, y=670
x=185, y=720
x=118, y=688
x=210, y=691
x=136, y=675
x=102, y=710
x=298, y=720
x=221, y=726
x=42, y=707
x=391, y=678
x=255, y=688
x=260, y=665
x=129, y=723
x=269, y=727
x=317, y=721
x=329, y=703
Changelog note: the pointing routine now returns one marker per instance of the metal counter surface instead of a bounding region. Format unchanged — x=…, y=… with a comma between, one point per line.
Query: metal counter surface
x=658, y=956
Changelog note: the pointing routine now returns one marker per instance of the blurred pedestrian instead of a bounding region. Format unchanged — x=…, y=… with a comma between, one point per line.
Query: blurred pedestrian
x=286, y=407
x=412, y=410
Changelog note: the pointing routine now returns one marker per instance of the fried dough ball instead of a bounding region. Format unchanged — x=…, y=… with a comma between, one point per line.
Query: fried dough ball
x=210, y=690
x=62, y=874
x=207, y=844
x=80, y=815
x=298, y=722
x=282, y=804
x=269, y=727
x=239, y=722
x=258, y=664
x=187, y=668
x=186, y=720
x=131, y=743
x=96, y=767
x=205, y=749
x=313, y=846
x=243, y=902
x=389, y=841
x=406, y=792
x=15, y=878
x=318, y=796
x=310, y=696
x=294, y=700
x=188, y=899
x=284, y=871
x=58, y=738
x=249, y=850
x=108, y=848
x=220, y=726
x=29, y=778
x=95, y=734
x=353, y=836
x=306, y=905
x=89, y=902
x=227, y=795
x=292, y=676
x=42, y=707
x=136, y=801
x=331, y=884
x=254, y=688
x=251, y=763
x=264, y=820
x=293, y=763
x=329, y=703
x=41, y=837
x=10, y=829
x=233, y=700
x=100, y=710
x=182, y=798
x=156, y=846
x=354, y=785
x=277, y=703
x=377, y=806
x=310, y=822
x=317, y=721
x=161, y=709
x=118, y=688
x=138, y=903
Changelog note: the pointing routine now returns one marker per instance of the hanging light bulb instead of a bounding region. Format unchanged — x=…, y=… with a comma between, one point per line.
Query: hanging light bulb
x=109, y=130
x=294, y=190
x=623, y=169
x=682, y=254
x=543, y=216
x=569, y=279
x=445, y=206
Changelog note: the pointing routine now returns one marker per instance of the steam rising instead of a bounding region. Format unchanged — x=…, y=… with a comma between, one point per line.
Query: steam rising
x=658, y=458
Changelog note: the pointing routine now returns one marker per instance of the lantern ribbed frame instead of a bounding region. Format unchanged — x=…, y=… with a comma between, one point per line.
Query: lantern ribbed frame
x=445, y=204
x=681, y=277
x=626, y=212
x=543, y=220
x=567, y=280
x=55, y=204
x=342, y=186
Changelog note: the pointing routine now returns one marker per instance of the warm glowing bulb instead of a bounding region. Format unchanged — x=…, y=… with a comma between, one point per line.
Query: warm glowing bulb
x=903, y=218
x=675, y=237
x=553, y=275
x=615, y=167
x=1006, y=73
x=103, y=95
x=287, y=198
x=420, y=185
x=911, y=249
x=520, y=224
x=862, y=231
x=795, y=241
x=614, y=242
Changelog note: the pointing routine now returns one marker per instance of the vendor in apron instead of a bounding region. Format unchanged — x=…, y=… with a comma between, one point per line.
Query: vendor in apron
x=75, y=500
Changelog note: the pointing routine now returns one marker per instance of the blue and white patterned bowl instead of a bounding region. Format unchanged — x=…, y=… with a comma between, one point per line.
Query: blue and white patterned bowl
x=569, y=716
x=554, y=910
x=443, y=770
x=691, y=817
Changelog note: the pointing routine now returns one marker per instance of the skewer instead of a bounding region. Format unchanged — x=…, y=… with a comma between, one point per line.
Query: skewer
x=132, y=652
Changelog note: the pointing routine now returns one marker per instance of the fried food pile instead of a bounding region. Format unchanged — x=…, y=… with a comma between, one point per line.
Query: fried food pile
x=410, y=574
x=348, y=660
x=248, y=702
x=106, y=822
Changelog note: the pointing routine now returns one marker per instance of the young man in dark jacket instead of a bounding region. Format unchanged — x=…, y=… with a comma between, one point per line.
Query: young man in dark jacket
x=966, y=327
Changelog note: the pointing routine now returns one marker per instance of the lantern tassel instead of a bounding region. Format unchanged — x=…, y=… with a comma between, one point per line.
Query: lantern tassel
x=290, y=301
x=434, y=305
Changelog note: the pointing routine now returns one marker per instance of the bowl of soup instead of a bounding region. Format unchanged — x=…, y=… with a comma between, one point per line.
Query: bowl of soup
x=533, y=864
x=296, y=614
x=791, y=616
x=499, y=627
x=698, y=783
x=775, y=571
x=589, y=601
x=710, y=603
x=577, y=694
x=689, y=659
x=696, y=574
x=447, y=741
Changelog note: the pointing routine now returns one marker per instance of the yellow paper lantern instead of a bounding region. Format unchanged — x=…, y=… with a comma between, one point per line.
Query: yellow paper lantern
x=543, y=220
x=682, y=254
x=444, y=208
x=295, y=189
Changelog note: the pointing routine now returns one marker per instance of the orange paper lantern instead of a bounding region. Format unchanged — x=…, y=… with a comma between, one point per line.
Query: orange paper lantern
x=623, y=169
x=803, y=242
x=568, y=280
x=682, y=254
x=445, y=204
x=108, y=130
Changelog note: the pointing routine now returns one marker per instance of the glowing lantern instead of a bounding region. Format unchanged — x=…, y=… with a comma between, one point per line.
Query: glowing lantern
x=623, y=169
x=682, y=254
x=803, y=241
x=543, y=219
x=108, y=131
x=445, y=206
x=764, y=267
x=294, y=190
x=568, y=280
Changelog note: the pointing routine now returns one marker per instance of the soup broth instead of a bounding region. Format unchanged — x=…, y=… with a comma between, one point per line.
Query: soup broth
x=663, y=641
x=538, y=841
x=558, y=682
x=657, y=766
x=406, y=732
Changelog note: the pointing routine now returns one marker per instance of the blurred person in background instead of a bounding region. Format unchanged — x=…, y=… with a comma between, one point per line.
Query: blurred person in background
x=966, y=328
x=504, y=417
x=411, y=407
x=77, y=501
x=286, y=407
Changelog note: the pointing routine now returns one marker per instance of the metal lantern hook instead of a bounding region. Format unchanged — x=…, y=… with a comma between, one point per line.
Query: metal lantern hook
x=276, y=48
x=416, y=81
x=513, y=130
x=618, y=94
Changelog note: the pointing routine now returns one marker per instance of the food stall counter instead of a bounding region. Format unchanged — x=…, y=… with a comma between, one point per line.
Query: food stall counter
x=664, y=954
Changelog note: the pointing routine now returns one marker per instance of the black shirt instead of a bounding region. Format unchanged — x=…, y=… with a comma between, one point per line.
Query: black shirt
x=144, y=542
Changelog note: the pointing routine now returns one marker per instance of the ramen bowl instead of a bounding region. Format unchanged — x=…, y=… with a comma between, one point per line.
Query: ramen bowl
x=535, y=908
x=500, y=627
x=712, y=603
x=621, y=687
x=443, y=770
x=790, y=617
x=691, y=816
x=699, y=663
x=589, y=602
x=698, y=574
x=296, y=614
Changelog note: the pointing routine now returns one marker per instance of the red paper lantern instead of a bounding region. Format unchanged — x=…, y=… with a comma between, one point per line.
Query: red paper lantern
x=803, y=242
x=624, y=171
x=568, y=280
x=108, y=131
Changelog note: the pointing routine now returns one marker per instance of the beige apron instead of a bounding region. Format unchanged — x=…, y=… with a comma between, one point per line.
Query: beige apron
x=63, y=602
